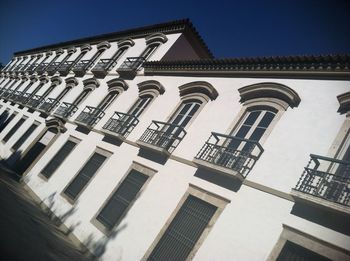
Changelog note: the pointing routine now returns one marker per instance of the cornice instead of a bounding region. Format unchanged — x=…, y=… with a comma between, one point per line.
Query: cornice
x=185, y=26
x=303, y=67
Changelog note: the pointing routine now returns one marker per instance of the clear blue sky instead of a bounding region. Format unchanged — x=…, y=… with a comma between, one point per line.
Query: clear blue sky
x=230, y=28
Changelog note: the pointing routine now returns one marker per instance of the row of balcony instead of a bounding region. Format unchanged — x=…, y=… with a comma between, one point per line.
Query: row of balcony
x=323, y=178
x=128, y=68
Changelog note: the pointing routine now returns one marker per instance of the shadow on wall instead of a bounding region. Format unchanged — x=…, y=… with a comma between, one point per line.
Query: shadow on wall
x=334, y=221
x=99, y=247
x=219, y=179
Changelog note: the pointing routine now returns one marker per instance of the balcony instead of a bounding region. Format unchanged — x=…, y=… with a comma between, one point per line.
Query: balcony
x=89, y=116
x=65, y=67
x=18, y=68
x=23, y=98
x=162, y=137
x=229, y=155
x=52, y=68
x=120, y=125
x=31, y=68
x=35, y=101
x=325, y=182
x=6, y=94
x=82, y=67
x=130, y=67
x=102, y=68
x=66, y=110
x=14, y=96
x=41, y=68
x=48, y=105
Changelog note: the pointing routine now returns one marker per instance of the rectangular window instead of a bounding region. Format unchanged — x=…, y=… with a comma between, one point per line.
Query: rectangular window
x=25, y=136
x=121, y=199
x=81, y=180
x=294, y=252
x=14, y=129
x=57, y=160
x=184, y=231
x=7, y=121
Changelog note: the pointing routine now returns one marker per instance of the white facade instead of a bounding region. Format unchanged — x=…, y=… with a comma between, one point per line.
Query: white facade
x=252, y=221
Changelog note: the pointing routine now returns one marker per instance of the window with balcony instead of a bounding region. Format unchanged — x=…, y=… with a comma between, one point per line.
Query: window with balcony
x=102, y=68
x=50, y=66
x=132, y=65
x=66, y=109
x=91, y=115
x=121, y=124
x=236, y=152
x=83, y=66
x=164, y=137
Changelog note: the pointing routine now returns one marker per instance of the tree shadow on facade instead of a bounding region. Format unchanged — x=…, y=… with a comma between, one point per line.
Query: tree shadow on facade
x=99, y=247
x=153, y=156
x=219, y=179
x=323, y=217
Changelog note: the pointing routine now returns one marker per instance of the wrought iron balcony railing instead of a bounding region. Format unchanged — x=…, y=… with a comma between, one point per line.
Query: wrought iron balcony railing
x=48, y=105
x=162, y=136
x=35, y=101
x=52, y=68
x=31, y=68
x=65, y=110
x=90, y=116
x=121, y=124
x=14, y=96
x=230, y=154
x=82, y=67
x=326, y=178
x=41, y=67
x=65, y=67
x=23, y=98
x=130, y=66
x=18, y=68
x=102, y=68
x=6, y=94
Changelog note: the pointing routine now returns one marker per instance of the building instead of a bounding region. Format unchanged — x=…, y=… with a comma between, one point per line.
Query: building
x=146, y=147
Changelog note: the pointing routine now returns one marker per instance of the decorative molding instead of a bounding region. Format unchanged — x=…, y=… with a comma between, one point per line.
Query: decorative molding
x=269, y=90
x=23, y=78
x=157, y=38
x=199, y=87
x=118, y=85
x=151, y=87
x=125, y=43
x=302, y=67
x=56, y=80
x=34, y=78
x=44, y=79
x=103, y=45
x=184, y=26
x=71, y=82
x=91, y=83
x=59, y=51
x=56, y=124
x=344, y=101
x=49, y=53
x=85, y=48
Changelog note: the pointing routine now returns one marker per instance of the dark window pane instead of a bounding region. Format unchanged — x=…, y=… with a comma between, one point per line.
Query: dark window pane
x=24, y=137
x=57, y=160
x=84, y=176
x=252, y=117
x=266, y=120
x=257, y=134
x=294, y=252
x=14, y=129
x=121, y=199
x=184, y=231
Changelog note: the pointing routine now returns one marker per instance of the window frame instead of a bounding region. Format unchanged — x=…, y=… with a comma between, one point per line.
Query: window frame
x=209, y=197
x=98, y=150
x=37, y=124
x=138, y=167
x=70, y=138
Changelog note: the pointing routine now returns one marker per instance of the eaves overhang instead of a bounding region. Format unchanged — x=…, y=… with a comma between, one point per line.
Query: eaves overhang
x=332, y=67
